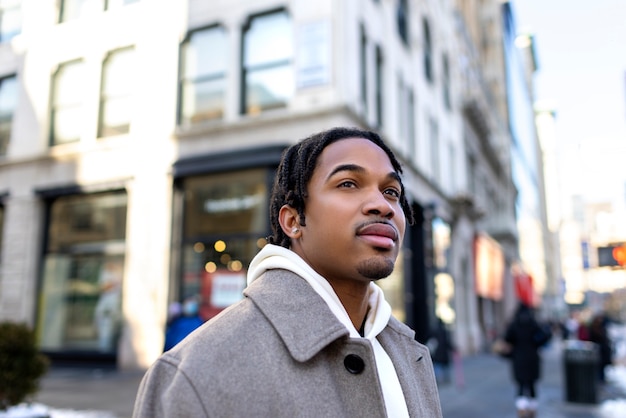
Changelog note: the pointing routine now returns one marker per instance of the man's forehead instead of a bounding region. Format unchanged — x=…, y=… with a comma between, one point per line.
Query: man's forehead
x=353, y=153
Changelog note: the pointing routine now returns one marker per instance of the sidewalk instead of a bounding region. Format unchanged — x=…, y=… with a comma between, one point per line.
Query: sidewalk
x=487, y=391
x=89, y=393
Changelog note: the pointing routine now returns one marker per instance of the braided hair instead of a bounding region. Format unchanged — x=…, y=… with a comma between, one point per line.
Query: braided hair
x=296, y=169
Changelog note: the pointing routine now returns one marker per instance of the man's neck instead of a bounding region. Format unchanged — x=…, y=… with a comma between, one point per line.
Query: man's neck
x=355, y=299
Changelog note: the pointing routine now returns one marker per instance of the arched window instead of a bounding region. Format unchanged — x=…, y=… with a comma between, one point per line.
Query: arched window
x=115, y=92
x=67, y=107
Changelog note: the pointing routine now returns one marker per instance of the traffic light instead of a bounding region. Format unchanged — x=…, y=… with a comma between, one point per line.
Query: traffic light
x=613, y=255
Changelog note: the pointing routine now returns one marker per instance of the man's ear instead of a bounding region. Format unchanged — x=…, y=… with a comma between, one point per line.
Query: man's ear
x=289, y=221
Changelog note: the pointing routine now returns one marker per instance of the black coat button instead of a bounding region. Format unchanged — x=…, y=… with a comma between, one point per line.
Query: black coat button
x=354, y=364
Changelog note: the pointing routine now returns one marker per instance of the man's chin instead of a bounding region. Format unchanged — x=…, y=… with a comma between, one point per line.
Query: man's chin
x=376, y=268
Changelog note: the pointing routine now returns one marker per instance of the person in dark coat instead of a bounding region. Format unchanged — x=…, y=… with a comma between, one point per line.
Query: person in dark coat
x=442, y=348
x=598, y=334
x=526, y=336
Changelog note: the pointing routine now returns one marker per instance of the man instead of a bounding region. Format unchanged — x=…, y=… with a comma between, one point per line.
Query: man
x=313, y=335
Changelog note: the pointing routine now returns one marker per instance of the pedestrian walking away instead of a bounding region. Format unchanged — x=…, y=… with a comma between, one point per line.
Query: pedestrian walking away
x=525, y=336
x=442, y=349
x=313, y=335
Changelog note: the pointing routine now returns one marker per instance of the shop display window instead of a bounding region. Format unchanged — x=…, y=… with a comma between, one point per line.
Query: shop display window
x=83, y=265
x=225, y=224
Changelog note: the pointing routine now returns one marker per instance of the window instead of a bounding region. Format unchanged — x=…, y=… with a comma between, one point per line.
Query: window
x=267, y=62
x=411, y=123
x=428, y=51
x=435, y=153
x=446, y=83
x=10, y=19
x=75, y=9
x=113, y=4
x=203, y=75
x=83, y=272
x=68, y=89
x=402, y=18
x=453, y=167
x=379, y=86
x=115, y=92
x=363, y=63
x=8, y=102
x=402, y=108
x=224, y=222
x=473, y=174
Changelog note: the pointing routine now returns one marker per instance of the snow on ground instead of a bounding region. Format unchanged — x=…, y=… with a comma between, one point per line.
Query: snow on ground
x=35, y=410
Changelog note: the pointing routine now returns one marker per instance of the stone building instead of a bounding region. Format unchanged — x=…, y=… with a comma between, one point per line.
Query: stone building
x=139, y=138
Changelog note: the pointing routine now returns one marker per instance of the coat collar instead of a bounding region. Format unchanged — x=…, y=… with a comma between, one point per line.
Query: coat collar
x=299, y=315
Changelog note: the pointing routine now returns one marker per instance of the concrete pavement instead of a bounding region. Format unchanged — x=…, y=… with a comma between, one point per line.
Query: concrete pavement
x=89, y=393
x=487, y=392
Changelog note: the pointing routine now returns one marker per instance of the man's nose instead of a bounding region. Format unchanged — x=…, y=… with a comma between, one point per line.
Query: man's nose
x=378, y=204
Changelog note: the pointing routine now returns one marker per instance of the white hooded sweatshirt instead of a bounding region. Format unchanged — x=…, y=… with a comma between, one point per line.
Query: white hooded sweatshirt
x=277, y=257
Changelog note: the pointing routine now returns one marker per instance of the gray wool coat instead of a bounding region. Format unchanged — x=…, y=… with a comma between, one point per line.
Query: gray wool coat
x=280, y=352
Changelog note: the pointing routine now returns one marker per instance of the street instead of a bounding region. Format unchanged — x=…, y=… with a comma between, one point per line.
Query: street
x=488, y=391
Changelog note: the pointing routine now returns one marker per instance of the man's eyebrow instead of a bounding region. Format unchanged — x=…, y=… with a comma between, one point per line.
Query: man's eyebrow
x=394, y=175
x=359, y=169
x=346, y=167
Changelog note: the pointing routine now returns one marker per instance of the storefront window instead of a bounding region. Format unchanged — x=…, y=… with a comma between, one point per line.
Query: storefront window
x=225, y=225
x=80, y=301
x=443, y=280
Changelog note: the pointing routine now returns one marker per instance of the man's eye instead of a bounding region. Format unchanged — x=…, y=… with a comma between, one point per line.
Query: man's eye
x=392, y=192
x=347, y=184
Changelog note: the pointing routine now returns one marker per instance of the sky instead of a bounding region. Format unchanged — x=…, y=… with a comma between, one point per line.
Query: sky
x=581, y=54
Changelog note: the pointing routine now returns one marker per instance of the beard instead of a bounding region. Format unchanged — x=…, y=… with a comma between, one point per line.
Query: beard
x=376, y=268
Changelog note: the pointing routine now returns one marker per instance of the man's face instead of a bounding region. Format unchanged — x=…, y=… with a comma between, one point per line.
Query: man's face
x=354, y=221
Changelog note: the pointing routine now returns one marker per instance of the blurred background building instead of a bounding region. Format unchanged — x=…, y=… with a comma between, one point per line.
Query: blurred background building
x=138, y=141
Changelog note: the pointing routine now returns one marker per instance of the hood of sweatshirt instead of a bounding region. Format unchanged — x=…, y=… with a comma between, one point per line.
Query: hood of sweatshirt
x=277, y=257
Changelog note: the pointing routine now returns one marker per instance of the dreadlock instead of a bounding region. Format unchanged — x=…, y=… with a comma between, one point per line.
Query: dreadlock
x=296, y=169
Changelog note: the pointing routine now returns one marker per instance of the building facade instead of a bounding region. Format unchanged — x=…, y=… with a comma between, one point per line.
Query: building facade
x=136, y=166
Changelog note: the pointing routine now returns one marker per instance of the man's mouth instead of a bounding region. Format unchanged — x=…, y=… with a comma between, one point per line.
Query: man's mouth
x=380, y=235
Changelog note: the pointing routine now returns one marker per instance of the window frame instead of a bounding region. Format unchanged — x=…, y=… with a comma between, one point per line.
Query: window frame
x=246, y=70
x=198, y=79
x=15, y=7
x=380, y=64
x=93, y=7
x=447, y=98
x=403, y=21
x=106, y=98
x=428, y=50
x=87, y=249
x=54, y=107
x=5, y=140
x=363, y=42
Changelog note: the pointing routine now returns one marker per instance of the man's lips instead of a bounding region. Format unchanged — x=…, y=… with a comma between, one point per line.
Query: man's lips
x=379, y=234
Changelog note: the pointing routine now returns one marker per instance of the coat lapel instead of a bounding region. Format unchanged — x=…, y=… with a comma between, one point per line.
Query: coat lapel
x=414, y=369
x=279, y=296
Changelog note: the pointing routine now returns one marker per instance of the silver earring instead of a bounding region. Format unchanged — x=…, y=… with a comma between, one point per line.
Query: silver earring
x=295, y=231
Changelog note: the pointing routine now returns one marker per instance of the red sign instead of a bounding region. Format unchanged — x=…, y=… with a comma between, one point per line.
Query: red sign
x=489, y=264
x=524, y=288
